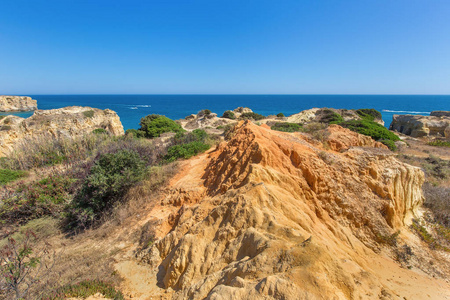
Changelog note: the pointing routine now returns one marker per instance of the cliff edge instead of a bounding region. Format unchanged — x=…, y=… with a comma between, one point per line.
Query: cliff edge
x=17, y=103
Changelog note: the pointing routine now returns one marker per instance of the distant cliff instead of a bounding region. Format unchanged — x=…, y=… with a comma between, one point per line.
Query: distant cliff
x=437, y=124
x=56, y=123
x=17, y=103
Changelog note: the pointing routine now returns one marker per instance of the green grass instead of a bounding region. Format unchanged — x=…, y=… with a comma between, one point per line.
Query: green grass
x=85, y=289
x=88, y=113
x=439, y=143
x=286, y=127
x=7, y=176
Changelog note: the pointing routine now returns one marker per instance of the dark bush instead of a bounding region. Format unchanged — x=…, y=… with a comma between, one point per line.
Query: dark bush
x=109, y=178
x=135, y=133
x=330, y=117
x=369, y=114
x=251, y=115
x=99, y=131
x=185, y=151
x=280, y=115
x=390, y=144
x=286, y=127
x=154, y=125
x=204, y=112
x=372, y=129
x=197, y=135
x=229, y=115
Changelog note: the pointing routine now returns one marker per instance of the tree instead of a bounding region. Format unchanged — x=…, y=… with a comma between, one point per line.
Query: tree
x=23, y=264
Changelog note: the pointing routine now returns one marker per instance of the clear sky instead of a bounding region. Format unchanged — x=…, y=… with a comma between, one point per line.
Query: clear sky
x=224, y=47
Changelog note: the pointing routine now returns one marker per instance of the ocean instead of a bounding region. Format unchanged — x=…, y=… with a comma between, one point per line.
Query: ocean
x=131, y=108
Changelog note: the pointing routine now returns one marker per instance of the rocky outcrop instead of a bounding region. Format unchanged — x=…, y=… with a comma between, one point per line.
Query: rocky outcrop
x=440, y=113
x=67, y=122
x=203, y=120
x=271, y=215
x=323, y=115
x=420, y=126
x=17, y=103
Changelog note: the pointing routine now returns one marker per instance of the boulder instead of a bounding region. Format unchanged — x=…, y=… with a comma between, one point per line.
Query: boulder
x=420, y=126
x=17, y=103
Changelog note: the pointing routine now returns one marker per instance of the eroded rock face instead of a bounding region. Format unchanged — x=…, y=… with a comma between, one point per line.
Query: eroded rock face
x=321, y=114
x=198, y=121
x=17, y=103
x=419, y=126
x=274, y=216
x=63, y=122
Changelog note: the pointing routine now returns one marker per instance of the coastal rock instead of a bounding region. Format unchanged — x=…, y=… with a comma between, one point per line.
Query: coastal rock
x=269, y=214
x=323, y=114
x=17, y=103
x=420, y=126
x=440, y=113
x=67, y=122
x=203, y=120
x=241, y=110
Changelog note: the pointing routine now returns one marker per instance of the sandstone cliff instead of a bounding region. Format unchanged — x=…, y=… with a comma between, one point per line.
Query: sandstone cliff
x=272, y=215
x=437, y=124
x=63, y=122
x=17, y=103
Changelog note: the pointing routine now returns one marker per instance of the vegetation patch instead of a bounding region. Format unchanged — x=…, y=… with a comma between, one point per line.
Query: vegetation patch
x=185, y=151
x=154, y=125
x=7, y=176
x=85, y=289
x=229, y=115
x=99, y=131
x=280, y=115
x=135, y=133
x=89, y=113
x=251, y=116
x=377, y=131
x=439, y=143
x=369, y=114
x=286, y=127
x=330, y=117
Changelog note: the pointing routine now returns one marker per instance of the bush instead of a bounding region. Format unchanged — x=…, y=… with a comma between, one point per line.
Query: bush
x=280, y=115
x=88, y=113
x=10, y=175
x=372, y=129
x=85, y=289
x=135, y=133
x=185, y=150
x=286, y=127
x=390, y=144
x=197, y=135
x=251, y=115
x=204, y=112
x=99, y=131
x=439, y=143
x=229, y=115
x=109, y=178
x=154, y=125
x=330, y=117
x=369, y=114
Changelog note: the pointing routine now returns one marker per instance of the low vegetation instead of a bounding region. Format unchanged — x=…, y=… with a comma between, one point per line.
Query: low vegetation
x=153, y=126
x=439, y=143
x=229, y=115
x=251, y=116
x=369, y=114
x=85, y=289
x=286, y=127
x=7, y=175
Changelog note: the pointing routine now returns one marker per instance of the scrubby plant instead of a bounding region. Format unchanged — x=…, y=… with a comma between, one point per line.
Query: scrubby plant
x=439, y=143
x=372, y=129
x=7, y=175
x=286, y=127
x=88, y=113
x=204, y=112
x=252, y=116
x=229, y=115
x=330, y=117
x=109, y=178
x=155, y=125
x=369, y=114
x=280, y=115
x=135, y=133
x=185, y=151
x=100, y=131
x=85, y=289
x=390, y=144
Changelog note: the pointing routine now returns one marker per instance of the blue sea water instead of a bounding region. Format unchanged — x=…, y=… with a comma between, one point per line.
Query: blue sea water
x=131, y=108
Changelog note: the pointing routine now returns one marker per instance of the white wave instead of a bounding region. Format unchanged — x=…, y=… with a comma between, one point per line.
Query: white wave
x=133, y=108
x=407, y=111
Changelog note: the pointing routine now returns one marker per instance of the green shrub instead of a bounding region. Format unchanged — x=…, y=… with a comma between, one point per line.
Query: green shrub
x=154, y=125
x=286, y=127
x=88, y=113
x=109, y=178
x=99, y=131
x=85, y=289
x=1, y=117
x=280, y=115
x=439, y=143
x=135, y=133
x=369, y=114
x=204, y=112
x=372, y=129
x=229, y=115
x=251, y=115
x=10, y=175
x=330, y=117
x=185, y=151
x=390, y=144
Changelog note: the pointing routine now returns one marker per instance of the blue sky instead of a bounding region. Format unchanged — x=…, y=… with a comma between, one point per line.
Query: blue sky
x=224, y=47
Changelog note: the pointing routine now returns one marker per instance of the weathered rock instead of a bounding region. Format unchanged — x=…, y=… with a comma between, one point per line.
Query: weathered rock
x=241, y=110
x=440, y=113
x=203, y=121
x=322, y=114
x=274, y=216
x=17, y=103
x=419, y=126
x=67, y=122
